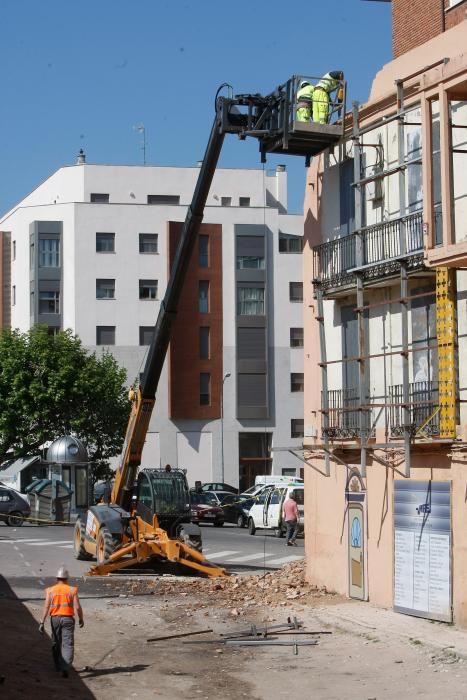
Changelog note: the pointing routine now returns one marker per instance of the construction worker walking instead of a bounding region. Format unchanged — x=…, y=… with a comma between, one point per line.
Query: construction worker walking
x=304, y=101
x=61, y=603
x=328, y=84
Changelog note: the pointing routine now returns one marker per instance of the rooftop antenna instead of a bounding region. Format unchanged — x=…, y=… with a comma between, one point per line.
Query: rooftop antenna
x=142, y=130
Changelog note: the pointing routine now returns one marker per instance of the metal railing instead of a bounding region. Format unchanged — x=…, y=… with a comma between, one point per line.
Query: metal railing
x=374, y=245
x=423, y=400
x=343, y=412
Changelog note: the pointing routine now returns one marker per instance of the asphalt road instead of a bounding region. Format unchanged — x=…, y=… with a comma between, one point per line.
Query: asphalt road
x=31, y=554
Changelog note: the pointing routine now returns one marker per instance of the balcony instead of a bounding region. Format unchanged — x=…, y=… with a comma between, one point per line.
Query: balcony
x=341, y=406
x=374, y=251
x=343, y=414
x=423, y=402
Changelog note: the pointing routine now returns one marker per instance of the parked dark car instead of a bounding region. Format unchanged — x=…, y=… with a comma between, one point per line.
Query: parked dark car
x=236, y=509
x=217, y=486
x=204, y=509
x=13, y=507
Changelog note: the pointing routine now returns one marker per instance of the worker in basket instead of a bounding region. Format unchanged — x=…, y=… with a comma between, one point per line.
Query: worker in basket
x=304, y=101
x=324, y=88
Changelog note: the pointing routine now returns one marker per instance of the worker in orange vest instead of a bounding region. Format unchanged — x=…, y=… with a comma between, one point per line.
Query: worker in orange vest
x=61, y=603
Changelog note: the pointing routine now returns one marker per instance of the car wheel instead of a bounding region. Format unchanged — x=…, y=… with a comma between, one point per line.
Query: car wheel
x=15, y=519
x=279, y=532
x=251, y=526
x=105, y=545
x=241, y=522
x=219, y=523
x=78, y=542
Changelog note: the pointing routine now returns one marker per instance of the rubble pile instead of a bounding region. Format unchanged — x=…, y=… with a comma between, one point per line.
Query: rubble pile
x=242, y=592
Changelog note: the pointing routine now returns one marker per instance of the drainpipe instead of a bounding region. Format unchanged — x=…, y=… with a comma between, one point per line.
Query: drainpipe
x=443, y=15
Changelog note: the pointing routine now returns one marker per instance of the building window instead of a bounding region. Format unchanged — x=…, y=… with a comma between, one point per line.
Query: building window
x=243, y=201
x=204, y=343
x=105, y=335
x=290, y=244
x=453, y=3
x=226, y=201
x=13, y=250
x=250, y=301
x=296, y=381
x=31, y=255
x=163, y=199
x=148, y=243
x=49, y=252
x=204, y=389
x=296, y=291
x=13, y=295
x=296, y=337
x=296, y=427
x=49, y=302
x=203, y=251
x=105, y=242
x=105, y=289
x=100, y=197
x=148, y=289
x=203, y=297
x=146, y=334
x=250, y=262
x=31, y=304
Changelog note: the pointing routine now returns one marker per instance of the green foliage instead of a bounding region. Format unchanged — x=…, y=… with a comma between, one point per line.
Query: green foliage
x=50, y=386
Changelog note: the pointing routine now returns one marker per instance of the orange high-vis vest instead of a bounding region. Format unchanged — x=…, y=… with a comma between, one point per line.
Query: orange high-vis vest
x=61, y=600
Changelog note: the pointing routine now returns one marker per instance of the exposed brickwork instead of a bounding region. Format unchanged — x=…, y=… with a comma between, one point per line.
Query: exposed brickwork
x=414, y=23
x=455, y=15
x=185, y=364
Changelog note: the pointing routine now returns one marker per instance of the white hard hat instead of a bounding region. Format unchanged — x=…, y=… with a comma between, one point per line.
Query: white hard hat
x=62, y=573
x=303, y=83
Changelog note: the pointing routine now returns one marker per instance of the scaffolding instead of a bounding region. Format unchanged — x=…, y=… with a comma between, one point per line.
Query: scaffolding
x=406, y=400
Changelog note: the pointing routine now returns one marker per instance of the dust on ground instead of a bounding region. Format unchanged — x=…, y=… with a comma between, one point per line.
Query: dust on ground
x=355, y=658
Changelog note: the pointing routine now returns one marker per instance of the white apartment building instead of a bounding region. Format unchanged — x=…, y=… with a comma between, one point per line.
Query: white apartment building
x=89, y=249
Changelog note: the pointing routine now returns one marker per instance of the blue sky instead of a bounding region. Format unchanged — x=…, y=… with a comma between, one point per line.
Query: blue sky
x=82, y=74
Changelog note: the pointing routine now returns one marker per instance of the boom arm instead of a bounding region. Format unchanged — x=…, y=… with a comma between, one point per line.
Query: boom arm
x=271, y=120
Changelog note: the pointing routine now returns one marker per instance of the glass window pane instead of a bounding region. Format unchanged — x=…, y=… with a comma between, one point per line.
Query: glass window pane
x=81, y=483
x=250, y=301
x=49, y=252
x=99, y=197
x=296, y=337
x=163, y=199
x=105, y=242
x=204, y=333
x=105, y=289
x=296, y=381
x=148, y=243
x=296, y=427
x=146, y=334
x=204, y=389
x=203, y=296
x=244, y=201
x=105, y=335
x=203, y=251
x=148, y=289
x=250, y=262
x=296, y=291
x=49, y=302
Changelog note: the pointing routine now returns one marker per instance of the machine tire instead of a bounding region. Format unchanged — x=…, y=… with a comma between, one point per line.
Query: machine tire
x=78, y=542
x=251, y=526
x=279, y=532
x=219, y=523
x=104, y=546
x=241, y=521
x=15, y=519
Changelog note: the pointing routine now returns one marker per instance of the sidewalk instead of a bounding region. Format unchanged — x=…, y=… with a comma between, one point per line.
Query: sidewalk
x=358, y=617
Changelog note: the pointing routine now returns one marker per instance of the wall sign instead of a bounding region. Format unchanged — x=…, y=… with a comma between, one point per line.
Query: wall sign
x=422, y=549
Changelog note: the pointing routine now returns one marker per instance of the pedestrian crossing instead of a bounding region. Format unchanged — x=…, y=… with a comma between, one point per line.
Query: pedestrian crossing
x=220, y=556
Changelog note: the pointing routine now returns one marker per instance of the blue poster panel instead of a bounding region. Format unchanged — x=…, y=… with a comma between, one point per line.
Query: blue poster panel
x=422, y=549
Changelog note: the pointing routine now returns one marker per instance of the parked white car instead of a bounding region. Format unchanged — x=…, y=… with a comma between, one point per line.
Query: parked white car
x=266, y=512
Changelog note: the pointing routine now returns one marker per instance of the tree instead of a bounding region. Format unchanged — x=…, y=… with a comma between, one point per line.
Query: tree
x=51, y=386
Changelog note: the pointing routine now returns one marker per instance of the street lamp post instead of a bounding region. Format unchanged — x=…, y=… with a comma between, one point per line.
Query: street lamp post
x=227, y=374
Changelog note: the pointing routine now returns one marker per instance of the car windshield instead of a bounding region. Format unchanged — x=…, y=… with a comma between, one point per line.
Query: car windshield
x=206, y=499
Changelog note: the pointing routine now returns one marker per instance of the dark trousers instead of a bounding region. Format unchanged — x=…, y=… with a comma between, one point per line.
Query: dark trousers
x=63, y=636
x=292, y=530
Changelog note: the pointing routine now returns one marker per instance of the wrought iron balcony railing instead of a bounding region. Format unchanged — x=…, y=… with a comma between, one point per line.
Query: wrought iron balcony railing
x=423, y=401
x=374, y=246
x=341, y=407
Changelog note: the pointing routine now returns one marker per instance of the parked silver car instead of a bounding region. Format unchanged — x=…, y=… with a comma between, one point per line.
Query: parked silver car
x=14, y=507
